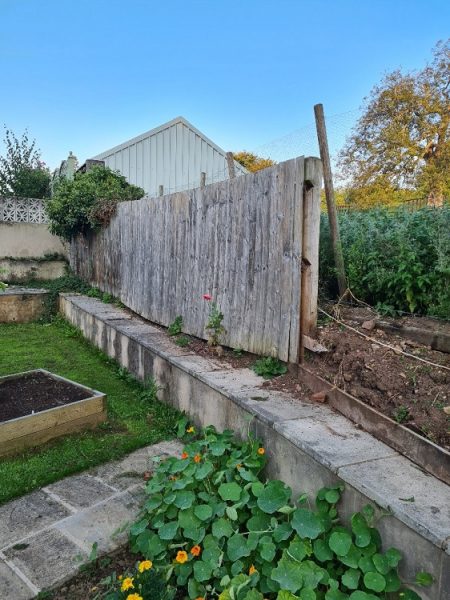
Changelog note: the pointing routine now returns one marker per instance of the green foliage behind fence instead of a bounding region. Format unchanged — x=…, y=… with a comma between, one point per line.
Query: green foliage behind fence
x=396, y=260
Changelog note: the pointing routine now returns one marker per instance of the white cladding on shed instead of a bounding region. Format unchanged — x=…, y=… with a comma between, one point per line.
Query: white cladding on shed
x=173, y=155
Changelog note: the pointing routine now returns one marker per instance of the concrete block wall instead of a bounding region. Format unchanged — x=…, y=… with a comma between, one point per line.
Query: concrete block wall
x=308, y=446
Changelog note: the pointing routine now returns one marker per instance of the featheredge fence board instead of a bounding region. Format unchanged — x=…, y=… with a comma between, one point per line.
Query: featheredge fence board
x=239, y=240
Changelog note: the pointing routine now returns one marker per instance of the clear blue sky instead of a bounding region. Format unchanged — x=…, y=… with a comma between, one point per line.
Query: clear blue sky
x=85, y=75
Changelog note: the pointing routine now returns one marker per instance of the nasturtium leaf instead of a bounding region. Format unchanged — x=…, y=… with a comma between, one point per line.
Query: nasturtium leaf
x=366, y=565
x=352, y=557
x=393, y=582
x=247, y=475
x=154, y=547
x=195, y=590
x=275, y=495
x=359, y=595
x=203, y=511
x=335, y=595
x=139, y=527
x=312, y=574
x=203, y=470
x=237, y=547
x=169, y=498
x=287, y=573
x=298, y=550
x=361, y=530
x=369, y=512
x=231, y=513
x=257, y=488
x=253, y=594
x=282, y=532
x=202, y=571
x=259, y=522
x=196, y=534
x=267, y=551
x=351, y=578
x=424, y=579
x=168, y=531
x=217, y=448
x=374, y=581
x=184, y=499
x=306, y=523
x=381, y=563
x=332, y=496
x=321, y=551
x=308, y=594
x=153, y=502
x=221, y=528
x=285, y=595
x=187, y=519
x=230, y=491
x=340, y=542
x=237, y=567
x=393, y=556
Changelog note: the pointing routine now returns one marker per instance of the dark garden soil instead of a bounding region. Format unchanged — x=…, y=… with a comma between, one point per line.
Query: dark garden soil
x=22, y=395
x=87, y=584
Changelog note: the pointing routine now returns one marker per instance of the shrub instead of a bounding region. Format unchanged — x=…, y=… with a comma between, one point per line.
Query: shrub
x=212, y=526
x=269, y=367
x=396, y=260
x=88, y=202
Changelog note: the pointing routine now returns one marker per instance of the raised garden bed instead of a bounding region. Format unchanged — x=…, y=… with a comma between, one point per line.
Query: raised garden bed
x=37, y=406
x=22, y=305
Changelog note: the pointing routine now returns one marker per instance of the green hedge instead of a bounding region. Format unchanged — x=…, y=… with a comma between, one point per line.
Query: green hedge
x=395, y=260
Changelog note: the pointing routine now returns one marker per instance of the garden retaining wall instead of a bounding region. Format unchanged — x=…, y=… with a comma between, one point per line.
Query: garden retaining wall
x=308, y=445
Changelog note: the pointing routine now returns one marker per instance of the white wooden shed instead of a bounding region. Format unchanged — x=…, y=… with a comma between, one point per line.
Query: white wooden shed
x=172, y=155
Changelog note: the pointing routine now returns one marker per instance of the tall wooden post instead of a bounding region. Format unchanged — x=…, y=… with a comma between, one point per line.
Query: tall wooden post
x=202, y=179
x=230, y=162
x=161, y=190
x=329, y=194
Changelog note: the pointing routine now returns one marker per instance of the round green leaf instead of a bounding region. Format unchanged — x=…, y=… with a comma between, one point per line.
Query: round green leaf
x=203, y=470
x=321, y=551
x=340, y=542
x=203, y=511
x=393, y=556
x=221, y=528
x=259, y=522
x=237, y=547
x=168, y=531
x=308, y=594
x=275, y=495
x=202, y=571
x=362, y=596
x=335, y=595
x=374, y=581
x=184, y=499
x=393, y=582
x=381, y=563
x=406, y=594
x=351, y=578
x=231, y=513
x=282, y=532
x=230, y=491
x=287, y=573
x=306, y=523
x=267, y=551
x=332, y=496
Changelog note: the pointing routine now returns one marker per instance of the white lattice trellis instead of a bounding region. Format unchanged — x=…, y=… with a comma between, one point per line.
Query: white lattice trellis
x=22, y=210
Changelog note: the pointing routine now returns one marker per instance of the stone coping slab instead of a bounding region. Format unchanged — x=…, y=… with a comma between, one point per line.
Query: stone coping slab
x=308, y=445
x=46, y=535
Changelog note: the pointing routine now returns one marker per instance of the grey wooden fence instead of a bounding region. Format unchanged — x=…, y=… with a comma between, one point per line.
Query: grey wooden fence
x=240, y=240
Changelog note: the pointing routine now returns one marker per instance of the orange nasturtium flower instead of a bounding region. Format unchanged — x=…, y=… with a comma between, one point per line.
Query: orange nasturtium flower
x=200, y=598
x=185, y=455
x=127, y=584
x=252, y=570
x=134, y=597
x=197, y=458
x=190, y=430
x=145, y=565
x=182, y=557
x=261, y=451
x=195, y=550
x=239, y=466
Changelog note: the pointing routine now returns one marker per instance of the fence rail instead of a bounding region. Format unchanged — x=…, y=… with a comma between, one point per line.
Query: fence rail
x=22, y=210
x=241, y=240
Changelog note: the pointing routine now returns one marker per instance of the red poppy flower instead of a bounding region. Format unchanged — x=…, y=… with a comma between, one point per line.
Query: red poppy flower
x=207, y=297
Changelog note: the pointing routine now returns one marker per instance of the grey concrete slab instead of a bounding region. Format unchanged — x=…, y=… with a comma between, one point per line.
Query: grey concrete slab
x=48, y=559
x=415, y=497
x=194, y=364
x=24, y=516
x=105, y=523
x=334, y=442
x=81, y=490
x=11, y=586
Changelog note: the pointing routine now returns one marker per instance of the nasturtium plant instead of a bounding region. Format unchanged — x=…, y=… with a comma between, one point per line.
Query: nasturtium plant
x=213, y=526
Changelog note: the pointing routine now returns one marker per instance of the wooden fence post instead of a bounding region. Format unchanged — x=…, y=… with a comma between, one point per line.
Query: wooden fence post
x=161, y=190
x=310, y=253
x=230, y=162
x=202, y=179
x=329, y=194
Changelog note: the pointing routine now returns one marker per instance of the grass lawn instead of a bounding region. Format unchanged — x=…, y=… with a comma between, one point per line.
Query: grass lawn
x=135, y=417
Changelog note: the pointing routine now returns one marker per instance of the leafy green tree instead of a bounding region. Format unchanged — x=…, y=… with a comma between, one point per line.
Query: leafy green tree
x=252, y=162
x=88, y=201
x=22, y=173
x=402, y=140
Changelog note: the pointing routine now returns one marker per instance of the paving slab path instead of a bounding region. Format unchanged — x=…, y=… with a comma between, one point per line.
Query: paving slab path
x=48, y=534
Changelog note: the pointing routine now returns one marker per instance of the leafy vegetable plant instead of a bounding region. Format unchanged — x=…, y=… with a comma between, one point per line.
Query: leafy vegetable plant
x=176, y=327
x=269, y=367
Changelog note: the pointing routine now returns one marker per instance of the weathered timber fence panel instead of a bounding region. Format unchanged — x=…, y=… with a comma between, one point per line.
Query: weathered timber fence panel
x=239, y=240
